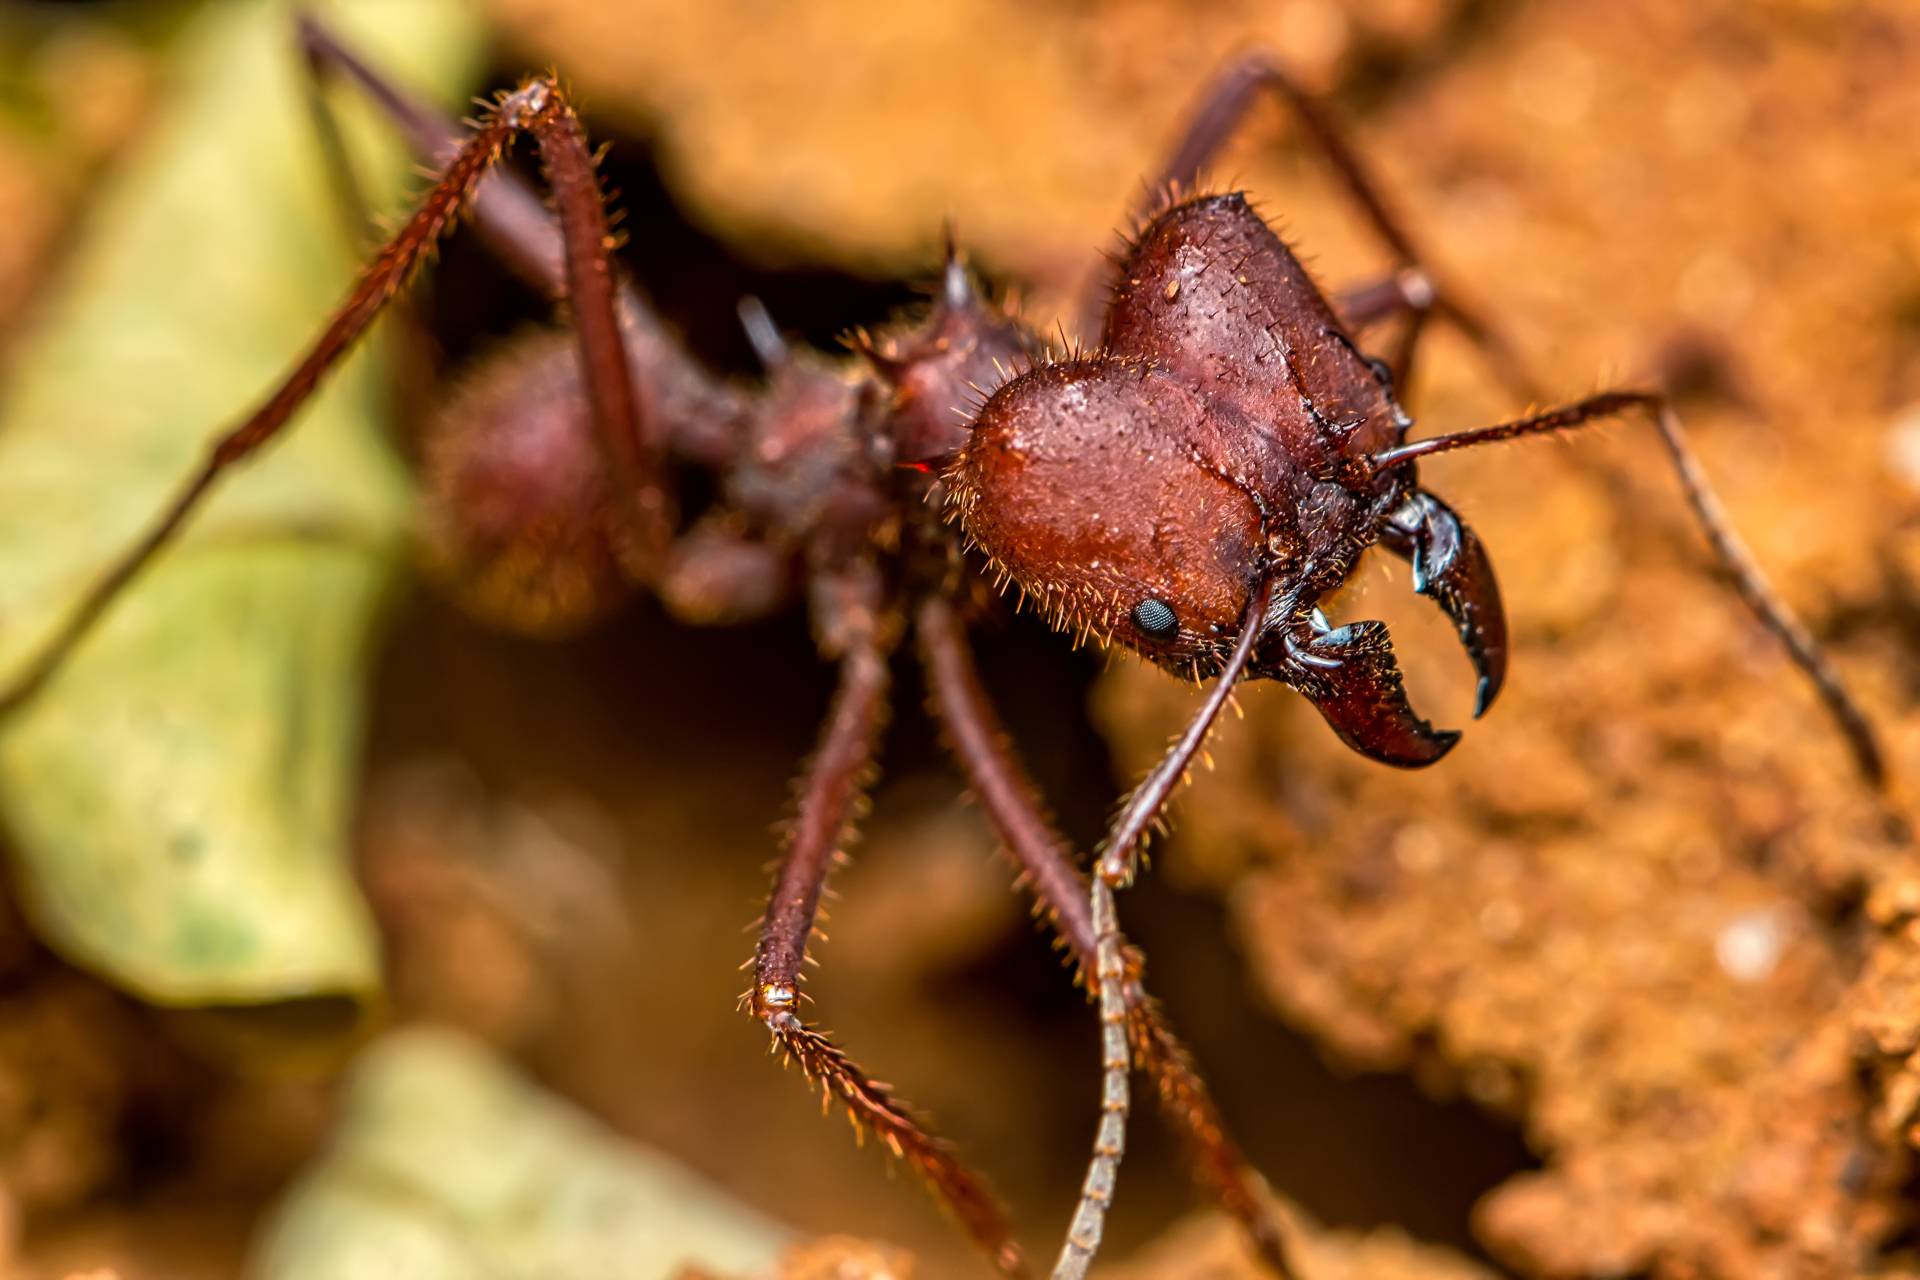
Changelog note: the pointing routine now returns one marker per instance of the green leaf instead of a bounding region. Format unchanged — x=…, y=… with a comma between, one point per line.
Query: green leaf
x=446, y=1166
x=176, y=797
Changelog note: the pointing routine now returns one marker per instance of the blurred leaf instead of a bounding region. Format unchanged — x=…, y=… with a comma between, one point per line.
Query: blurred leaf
x=176, y=796
x=446, y=1165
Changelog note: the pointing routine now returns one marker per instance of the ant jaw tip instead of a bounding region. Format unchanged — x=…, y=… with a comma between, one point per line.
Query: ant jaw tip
x=1483, y=695
x=1434, y=746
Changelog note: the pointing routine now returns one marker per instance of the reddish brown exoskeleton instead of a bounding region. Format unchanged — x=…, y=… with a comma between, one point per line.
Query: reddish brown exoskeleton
x=1191, y=488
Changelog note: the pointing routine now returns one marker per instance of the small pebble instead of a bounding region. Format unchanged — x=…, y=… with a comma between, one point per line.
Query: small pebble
x=1903, y=444
x=1749, y=947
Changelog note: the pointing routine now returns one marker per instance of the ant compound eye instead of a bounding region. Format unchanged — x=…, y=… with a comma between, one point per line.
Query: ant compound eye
x=1155, y=619
x=1382, y=371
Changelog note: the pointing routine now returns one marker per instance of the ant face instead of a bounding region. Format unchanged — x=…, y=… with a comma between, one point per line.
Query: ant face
x=1083, y=484
x=1143, y=493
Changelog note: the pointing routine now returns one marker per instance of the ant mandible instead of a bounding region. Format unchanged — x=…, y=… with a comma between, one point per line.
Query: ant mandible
x=1190, y=487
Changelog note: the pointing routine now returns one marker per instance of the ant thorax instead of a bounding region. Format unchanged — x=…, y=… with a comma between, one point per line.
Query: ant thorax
x=935, y=370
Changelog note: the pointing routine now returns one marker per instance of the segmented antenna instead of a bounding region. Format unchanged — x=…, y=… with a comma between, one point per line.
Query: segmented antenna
x=1110, y=1140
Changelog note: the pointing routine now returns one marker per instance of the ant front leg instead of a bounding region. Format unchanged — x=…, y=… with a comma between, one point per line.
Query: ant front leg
x=1005, y=791
x=1120, y=854
x=832, y=790
x=1222, y=107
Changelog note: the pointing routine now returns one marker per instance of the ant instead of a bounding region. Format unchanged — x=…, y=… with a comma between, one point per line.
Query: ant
x=1191, y=486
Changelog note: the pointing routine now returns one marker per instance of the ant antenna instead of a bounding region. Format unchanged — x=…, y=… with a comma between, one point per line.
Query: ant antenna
x=1754, y=589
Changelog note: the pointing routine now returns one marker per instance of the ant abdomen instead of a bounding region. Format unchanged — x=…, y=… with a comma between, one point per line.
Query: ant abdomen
x=521, y=523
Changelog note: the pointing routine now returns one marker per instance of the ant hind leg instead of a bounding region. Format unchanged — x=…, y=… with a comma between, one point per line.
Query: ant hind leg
x=534, y=106
x=507, y=213
x=687, y=410
x=540, y=107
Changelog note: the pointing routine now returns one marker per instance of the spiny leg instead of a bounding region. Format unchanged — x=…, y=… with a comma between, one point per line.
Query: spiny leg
x=1004, y=790
x=1221, y=108
x=539, y=107
x=684, y=408
x=712, y=573
x=417, y=357
x=509, y=215
x=1752, y=585
x=831, y=791
x=962, y=708
x=534, y=105
x=632, y=449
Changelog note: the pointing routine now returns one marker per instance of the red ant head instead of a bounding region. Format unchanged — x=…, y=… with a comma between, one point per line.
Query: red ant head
x=1220, y=439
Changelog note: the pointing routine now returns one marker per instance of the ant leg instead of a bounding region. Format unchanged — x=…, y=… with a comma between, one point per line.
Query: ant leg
x=379, y=281
x=1406, y=292
x=830, y=794
x=1222, y=107
x=1089, y=1219
x=631, y=441
x=1091, y=930
x=1752, y=585
x=417, y=357
x=683, y=403
x=1001, y=785
x=508, y=214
